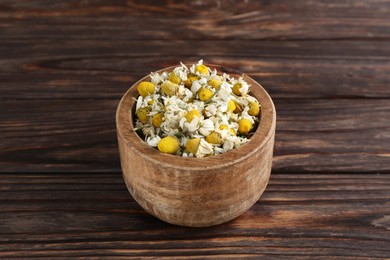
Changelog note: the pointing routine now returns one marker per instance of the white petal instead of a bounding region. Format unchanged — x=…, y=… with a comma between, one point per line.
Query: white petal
x=193, y=126
x=182, y=122
x=244, y=86
x=139, y=103
x=153, y=141
x=218, y=150
x=204, y=149
x=195, y=87
x=223, y=107
x=202, y=81
x=155, y=78
x=226, y=86
x=206, y=127
x=228, y=145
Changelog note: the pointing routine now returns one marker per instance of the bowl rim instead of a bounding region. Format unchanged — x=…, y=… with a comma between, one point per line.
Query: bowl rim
x=262, y=135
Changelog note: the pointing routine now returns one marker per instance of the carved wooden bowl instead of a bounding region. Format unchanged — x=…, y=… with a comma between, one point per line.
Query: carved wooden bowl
x=196, y=192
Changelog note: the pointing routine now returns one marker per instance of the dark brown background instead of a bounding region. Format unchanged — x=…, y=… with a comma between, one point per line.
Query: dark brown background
x=65, y=64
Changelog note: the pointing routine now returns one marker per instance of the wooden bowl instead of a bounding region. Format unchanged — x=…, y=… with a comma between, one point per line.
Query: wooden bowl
x=196, y=192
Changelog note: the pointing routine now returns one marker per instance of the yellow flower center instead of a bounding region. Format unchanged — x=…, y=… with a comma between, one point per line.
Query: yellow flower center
x=169, y=88
x=157, y=119
x=143, y=114
x=244, y=126
x=191, y=115
x=145, y=88
x=202, y=69
x=231, y=106
x=169, y=145
x=190, y=78
x=254, y=109
x=215, y=83
x=214, y=138
x=174, y=78
x=223, y=127
x=193, y=145
x=205, y=94
x=236, y=89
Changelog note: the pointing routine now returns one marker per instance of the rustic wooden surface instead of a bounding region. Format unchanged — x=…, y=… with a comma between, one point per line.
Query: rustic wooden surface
x=65, y=64
x=93, y=215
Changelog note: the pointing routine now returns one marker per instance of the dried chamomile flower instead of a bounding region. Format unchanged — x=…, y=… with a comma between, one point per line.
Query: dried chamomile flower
x=143, y=114
x=169, y=88
x=195, y=112
x=231, y=106
x=205, y=94
x=157, y=119
x=174, y=78
x=244, y=126
x=145, y=88
x=236, y=89
x=169, y=144
x=190, y=79
x=202, y=69
x=223, y=127
x=214, y=138
x=254, y=108
x=192, y=145
x=191, y=115
x=215, y=83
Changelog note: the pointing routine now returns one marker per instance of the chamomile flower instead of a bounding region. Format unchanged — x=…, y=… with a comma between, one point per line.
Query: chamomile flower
x=153, y=141
x=206, y=127
x=195, y=112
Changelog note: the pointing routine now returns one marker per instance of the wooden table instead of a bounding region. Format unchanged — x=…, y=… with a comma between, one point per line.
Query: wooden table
x=65, y=64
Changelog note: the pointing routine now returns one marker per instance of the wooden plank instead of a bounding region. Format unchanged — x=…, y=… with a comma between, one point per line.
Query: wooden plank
x=58, y=134
x=349, y=135
x=322, y=135
x=105, y=69
x=93, y=215
x=206, y=19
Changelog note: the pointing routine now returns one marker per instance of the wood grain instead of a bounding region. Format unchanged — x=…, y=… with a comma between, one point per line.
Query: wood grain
x=65, y=64
x=321, y=135
x=313, y=135
x=93, y=215
x=57, y=68
x=206, y=19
